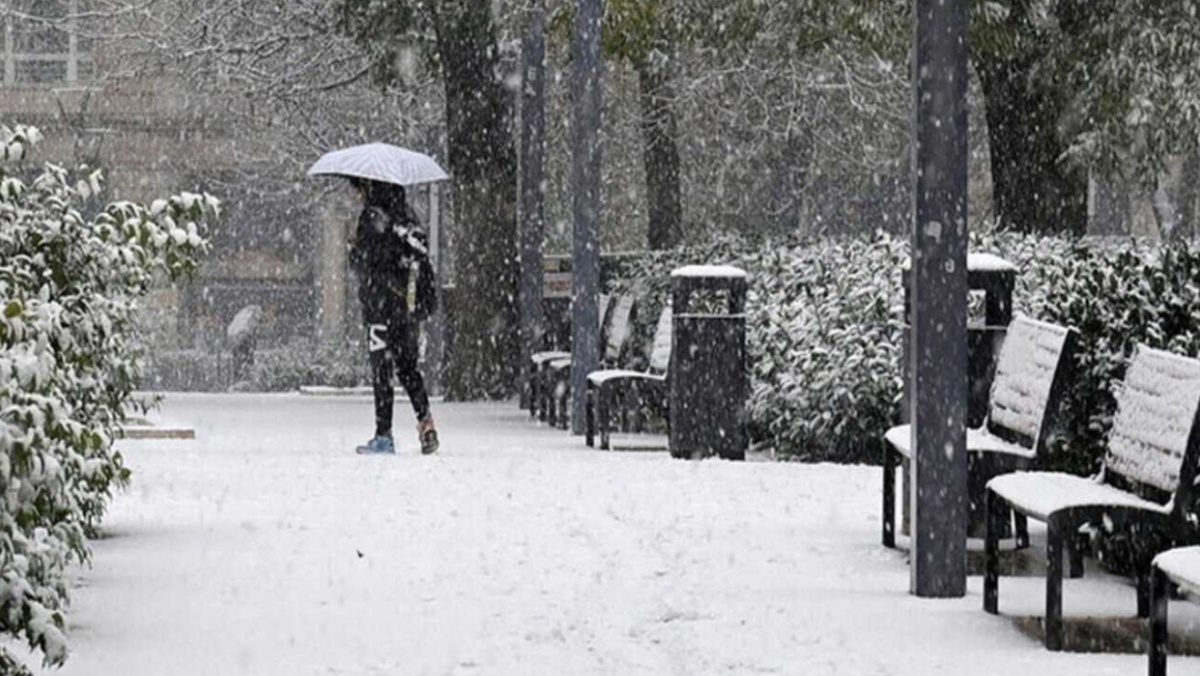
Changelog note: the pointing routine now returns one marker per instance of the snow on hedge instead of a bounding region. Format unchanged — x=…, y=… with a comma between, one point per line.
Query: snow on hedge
x=824, y=328
x=70, y=278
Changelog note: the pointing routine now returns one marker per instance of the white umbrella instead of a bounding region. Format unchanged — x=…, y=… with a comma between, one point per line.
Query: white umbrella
x=380, y=162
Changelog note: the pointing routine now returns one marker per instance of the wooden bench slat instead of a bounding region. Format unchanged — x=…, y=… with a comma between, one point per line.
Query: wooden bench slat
x=1156, y=407
x=1029, y=359
x=619, y=329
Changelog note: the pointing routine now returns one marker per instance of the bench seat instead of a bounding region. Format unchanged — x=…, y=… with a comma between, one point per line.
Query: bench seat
x=601, y=377
x=1142, y=494
x=978, y=441
x=1182, y=566
x=1040, y=494
x=1033, y=370
x=540, y=358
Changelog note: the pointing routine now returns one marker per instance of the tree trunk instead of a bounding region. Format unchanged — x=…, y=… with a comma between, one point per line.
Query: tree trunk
x=660, y=155
x=484, y=348
x=1034, y=190
x=533, y=191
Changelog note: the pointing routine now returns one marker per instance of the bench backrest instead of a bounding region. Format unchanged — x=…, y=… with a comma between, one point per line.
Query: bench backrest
x=1154, y=437
x=619, y=328
x=605, y=302
x=660, y=347
x=1032, y=372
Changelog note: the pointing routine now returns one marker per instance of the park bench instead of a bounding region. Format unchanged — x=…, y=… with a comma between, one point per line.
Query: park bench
x=539, y=360
x=650, y=385
x=1032, y=373
x=614, y=336
x=1143, y=490
x=1178, y=567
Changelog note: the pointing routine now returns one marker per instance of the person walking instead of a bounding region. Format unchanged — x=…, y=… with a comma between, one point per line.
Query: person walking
x=396, y=289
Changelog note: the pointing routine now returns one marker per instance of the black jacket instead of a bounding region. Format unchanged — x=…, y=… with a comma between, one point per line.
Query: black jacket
x=385, y=252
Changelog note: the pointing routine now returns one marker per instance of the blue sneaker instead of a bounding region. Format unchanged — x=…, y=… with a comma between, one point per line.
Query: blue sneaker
x=380, y=444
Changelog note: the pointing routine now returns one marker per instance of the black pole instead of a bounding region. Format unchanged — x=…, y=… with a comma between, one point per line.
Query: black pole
x=587, y=94
x=939, y=299
x=533, y=195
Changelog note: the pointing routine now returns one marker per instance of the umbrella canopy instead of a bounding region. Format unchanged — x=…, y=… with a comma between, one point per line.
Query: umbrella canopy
x=380, y=162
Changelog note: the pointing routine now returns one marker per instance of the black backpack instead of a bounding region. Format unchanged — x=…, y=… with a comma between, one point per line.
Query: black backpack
x=426, y=289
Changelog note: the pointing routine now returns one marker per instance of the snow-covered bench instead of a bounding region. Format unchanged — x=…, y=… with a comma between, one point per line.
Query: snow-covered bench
x=1032, y=373
x=539, y=360
x=1143, y=490
x=603, y=385
x=614, y=335
x=1179, y=567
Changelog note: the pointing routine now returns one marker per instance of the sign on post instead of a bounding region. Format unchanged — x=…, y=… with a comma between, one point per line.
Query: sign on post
x=557, y=280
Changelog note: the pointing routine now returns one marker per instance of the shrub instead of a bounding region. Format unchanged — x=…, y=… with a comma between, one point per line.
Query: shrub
x=68, y=290
x=823, y=339
x=184, y=371
x=305, y=362
x=824, y=329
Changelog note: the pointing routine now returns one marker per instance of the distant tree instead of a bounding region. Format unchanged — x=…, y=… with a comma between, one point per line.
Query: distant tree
x=648, y=35
x=1069, y=86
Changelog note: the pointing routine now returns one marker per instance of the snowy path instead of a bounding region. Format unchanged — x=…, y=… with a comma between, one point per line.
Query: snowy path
x=267, y=547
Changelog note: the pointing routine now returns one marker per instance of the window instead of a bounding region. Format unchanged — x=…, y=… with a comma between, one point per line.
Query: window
x=42, y=44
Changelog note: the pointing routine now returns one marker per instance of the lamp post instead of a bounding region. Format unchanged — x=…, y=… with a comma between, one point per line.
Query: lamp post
x=939, y=291
x=587, y=84
x=533, y=193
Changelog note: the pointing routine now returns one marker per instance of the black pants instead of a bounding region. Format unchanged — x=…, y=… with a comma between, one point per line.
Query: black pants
x=394, y=347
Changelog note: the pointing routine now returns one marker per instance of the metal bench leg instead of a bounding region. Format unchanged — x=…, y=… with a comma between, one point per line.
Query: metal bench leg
x=889, y=496
x=546, y=396
x=1158, y=623
x=1143, y=594
x=1054, y=575
x=625, y=411
x=638, y=410
x=1021, y=527
x=589, y=415
x=994, y=513
x=1075, y=548
x=564, y=416
x=603, y=395
x=533, y=392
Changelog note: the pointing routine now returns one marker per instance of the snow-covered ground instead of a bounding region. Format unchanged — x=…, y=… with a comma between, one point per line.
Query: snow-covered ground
x=266, y=546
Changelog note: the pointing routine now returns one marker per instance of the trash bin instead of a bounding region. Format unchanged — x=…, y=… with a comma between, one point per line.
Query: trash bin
x=995, y=278
x=707, y=378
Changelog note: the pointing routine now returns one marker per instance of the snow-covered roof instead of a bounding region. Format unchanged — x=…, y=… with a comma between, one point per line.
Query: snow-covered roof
x=708, y=271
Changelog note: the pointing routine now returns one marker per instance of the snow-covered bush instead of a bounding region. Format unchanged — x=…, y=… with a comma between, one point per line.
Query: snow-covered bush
x=824, y=335
x=824, y=329
x=304, y=362
x=69, y=283
x=184, y=371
